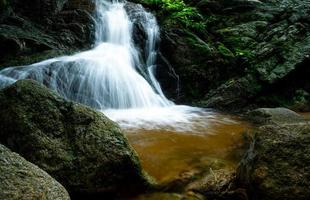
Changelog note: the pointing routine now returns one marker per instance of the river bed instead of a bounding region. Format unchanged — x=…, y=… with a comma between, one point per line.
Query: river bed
x=169, y=155
x=166, y=155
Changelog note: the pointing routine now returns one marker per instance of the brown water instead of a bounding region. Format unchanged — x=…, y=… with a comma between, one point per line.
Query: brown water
x=166, y=155
x=305, y=114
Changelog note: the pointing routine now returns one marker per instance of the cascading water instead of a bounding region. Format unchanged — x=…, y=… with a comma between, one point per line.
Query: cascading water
x=106, y=77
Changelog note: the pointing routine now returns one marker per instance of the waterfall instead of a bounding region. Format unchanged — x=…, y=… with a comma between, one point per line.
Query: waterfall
x=106, y=76
x=114, y=77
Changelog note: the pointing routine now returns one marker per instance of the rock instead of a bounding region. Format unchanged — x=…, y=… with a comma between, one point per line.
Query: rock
x=79, y=147
x=170, y=196
x=274, y=116
x=28, y=28
x=277, y=164
x=33, y=9
x=301, y=101
x=259, y=47
x=218, y=184
x=232, y=95
x=22, y=180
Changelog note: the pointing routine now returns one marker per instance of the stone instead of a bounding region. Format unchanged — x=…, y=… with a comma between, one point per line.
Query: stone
x=80, y=147
x=22, y=180
x=277, y=163
x=274, y=116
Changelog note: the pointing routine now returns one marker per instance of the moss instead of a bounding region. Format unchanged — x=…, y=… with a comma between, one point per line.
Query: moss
x=224, y=50
x=244, y=53
x=199, y=46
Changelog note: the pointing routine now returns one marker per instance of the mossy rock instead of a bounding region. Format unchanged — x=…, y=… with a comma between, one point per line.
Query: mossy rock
x=22, y=180
x=81, y=148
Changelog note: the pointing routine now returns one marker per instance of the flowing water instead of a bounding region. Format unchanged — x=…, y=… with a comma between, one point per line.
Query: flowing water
x=118, y=79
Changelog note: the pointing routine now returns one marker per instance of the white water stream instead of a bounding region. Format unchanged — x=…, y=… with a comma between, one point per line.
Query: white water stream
x=106, y=77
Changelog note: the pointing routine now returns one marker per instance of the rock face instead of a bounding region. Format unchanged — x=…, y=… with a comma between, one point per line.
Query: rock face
x=277, y=165
x=31, y=31
x=22, y=180
x=274, y=116
x=236, y=54
x=79, y=147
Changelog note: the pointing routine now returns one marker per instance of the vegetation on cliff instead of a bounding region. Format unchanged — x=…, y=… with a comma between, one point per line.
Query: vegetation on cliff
x=235, y=54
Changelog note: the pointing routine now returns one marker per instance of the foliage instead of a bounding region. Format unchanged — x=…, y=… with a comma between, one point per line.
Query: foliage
x=244, y=53
x=186, y=15
x=178, y=13
x=225, y=51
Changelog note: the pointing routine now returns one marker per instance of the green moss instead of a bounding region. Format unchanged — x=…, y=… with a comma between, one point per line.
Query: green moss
x=225, y=51
x=245, y=53
x=199, y=46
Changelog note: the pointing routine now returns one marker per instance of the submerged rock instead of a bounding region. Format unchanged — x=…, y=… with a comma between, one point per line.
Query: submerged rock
x=277, y=164
x=22, y=180
x=79, y=147
x=218, y=184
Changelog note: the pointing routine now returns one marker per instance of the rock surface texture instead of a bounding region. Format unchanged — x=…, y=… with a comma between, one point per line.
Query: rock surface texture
x=81, y=148
x=31, y=31
x=22, y=180
x=277, y=164
x=235, y=54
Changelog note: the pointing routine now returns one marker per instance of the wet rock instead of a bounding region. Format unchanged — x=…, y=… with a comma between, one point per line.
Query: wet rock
x=33, y=9
x=259, y=47
x=140, y=19
x=218, y=184
x=276, y=166
x=79, y=147
x=232, y=95
x=34, y=27
x=22, y=180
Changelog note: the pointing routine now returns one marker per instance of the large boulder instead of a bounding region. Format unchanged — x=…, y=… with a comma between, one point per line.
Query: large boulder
x=277, y=164
x=79, y=147
x=22, y=180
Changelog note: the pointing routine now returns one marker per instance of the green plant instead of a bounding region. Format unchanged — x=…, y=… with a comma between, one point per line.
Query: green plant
x=224, y=50
x=188, y=16
x=243, y=53
x=177, y=13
